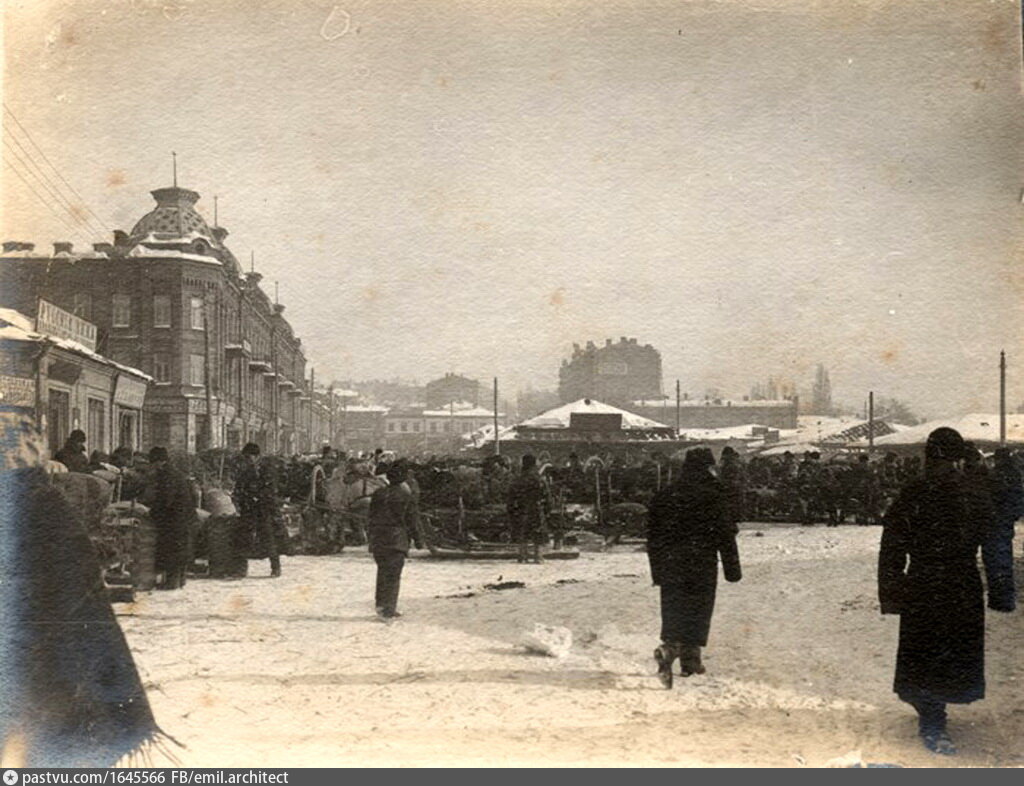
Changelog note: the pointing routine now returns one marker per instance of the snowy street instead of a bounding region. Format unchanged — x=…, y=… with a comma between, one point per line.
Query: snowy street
x=298, y=671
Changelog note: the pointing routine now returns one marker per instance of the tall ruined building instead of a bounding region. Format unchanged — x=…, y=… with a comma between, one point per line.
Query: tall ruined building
x=617, y=373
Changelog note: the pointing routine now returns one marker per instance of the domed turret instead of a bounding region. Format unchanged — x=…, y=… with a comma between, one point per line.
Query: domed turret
x=173, y=220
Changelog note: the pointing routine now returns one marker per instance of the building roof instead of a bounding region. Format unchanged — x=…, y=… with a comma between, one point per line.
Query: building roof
x=174, y=217
x=670, y=403
x=559, y=417
x=980, y=428
x=15, y=326
x=745, y=433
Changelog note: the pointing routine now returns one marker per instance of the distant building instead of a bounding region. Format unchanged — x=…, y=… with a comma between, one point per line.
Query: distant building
x=617, y=373
x=586, y=428
x=721, y=413
x=360, y=427
x=451, y=387
x=420, y=430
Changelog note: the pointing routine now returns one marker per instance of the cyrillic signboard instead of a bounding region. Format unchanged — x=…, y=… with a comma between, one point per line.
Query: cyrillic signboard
x=129, y=392
x=17, y=391
x=55, y=321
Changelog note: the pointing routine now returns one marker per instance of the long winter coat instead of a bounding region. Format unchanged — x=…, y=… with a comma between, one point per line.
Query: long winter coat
x=172, y=508
x=687, y=530
x=527, y=505
x=393, y=519
x=928, y=574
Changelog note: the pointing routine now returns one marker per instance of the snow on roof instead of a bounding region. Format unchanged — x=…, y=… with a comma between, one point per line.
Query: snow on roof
x=975, y=427
x=474, y=412
x=345, y=393
x=364, y=408
x=670, y=403
x=746, y=432
x=15, y=326
x=171, y=253
x=559, y=417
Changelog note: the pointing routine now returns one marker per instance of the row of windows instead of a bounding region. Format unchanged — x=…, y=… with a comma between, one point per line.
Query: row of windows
x=433, y=426
x=121, y=311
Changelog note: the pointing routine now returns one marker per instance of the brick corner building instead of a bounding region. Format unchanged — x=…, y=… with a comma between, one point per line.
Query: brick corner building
x=171, y=299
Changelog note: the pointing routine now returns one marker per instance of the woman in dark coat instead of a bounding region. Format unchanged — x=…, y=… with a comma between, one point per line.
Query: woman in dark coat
x=687, y=530
x=928, y=574
x=172, y=507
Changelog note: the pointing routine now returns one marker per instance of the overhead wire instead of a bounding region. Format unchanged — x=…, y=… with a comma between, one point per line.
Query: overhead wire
x=43, y=199
x=76, y=218
x=63, y=179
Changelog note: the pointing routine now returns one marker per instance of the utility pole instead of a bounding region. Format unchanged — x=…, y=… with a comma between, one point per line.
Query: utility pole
x=679, y=406
x=312, y=403
x=497, y=441
x=207, y=376
x=1002, y=398
x=330, y=414
x=871, y=421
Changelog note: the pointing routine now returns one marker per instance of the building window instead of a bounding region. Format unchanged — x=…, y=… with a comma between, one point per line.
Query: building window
x=391, y=426
x=433, y=427
x=196, y=371
x=161, y=311
x=195, y=310
x=122, y=307
x=416, y=426
x=405, y=426
x=83, y=305
x=161, y=367
x=96, y=424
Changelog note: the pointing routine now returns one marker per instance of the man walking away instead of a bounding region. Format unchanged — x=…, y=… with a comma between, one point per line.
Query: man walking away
x=255, y=498
x=393, y=518
x=928, y=574
x=528, y=509
x=172, y=507
x=687, y=530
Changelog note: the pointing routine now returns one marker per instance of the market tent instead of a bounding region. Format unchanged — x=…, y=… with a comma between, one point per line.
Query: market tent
x=560, y=417
x=979, y=428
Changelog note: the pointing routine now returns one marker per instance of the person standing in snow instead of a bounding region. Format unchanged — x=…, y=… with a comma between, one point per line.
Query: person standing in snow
x=255, y=497
x=394, y=517
x=928, y=575
x=688, y=528
x=528, y=508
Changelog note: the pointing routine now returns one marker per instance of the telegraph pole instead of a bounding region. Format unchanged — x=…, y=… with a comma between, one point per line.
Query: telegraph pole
x=679, y=406
x=312, y=403
x=871, y=421
x=1002, y=398
x=497, y=441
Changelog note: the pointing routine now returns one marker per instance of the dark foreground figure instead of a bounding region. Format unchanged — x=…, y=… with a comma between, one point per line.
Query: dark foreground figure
x=71, y=696
x=172, y=507
x=928, y=574
x=528, y=510
x=392, y=528
x=688, y=528
x=255, y=497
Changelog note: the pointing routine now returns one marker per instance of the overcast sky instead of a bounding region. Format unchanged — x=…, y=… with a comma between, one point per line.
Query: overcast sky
x=752, y=187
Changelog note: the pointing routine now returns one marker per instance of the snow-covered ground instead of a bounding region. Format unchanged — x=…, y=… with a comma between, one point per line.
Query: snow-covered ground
x=297, y=671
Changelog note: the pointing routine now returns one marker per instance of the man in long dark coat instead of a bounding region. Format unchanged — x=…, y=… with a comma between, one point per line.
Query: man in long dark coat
x=255, y=497
x=172, y=507
x=688, y=529
x=528, y=508
x=393, y=526
x=928, y=574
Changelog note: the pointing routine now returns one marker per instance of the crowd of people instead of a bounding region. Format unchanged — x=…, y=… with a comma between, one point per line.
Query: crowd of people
x=937, y=517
